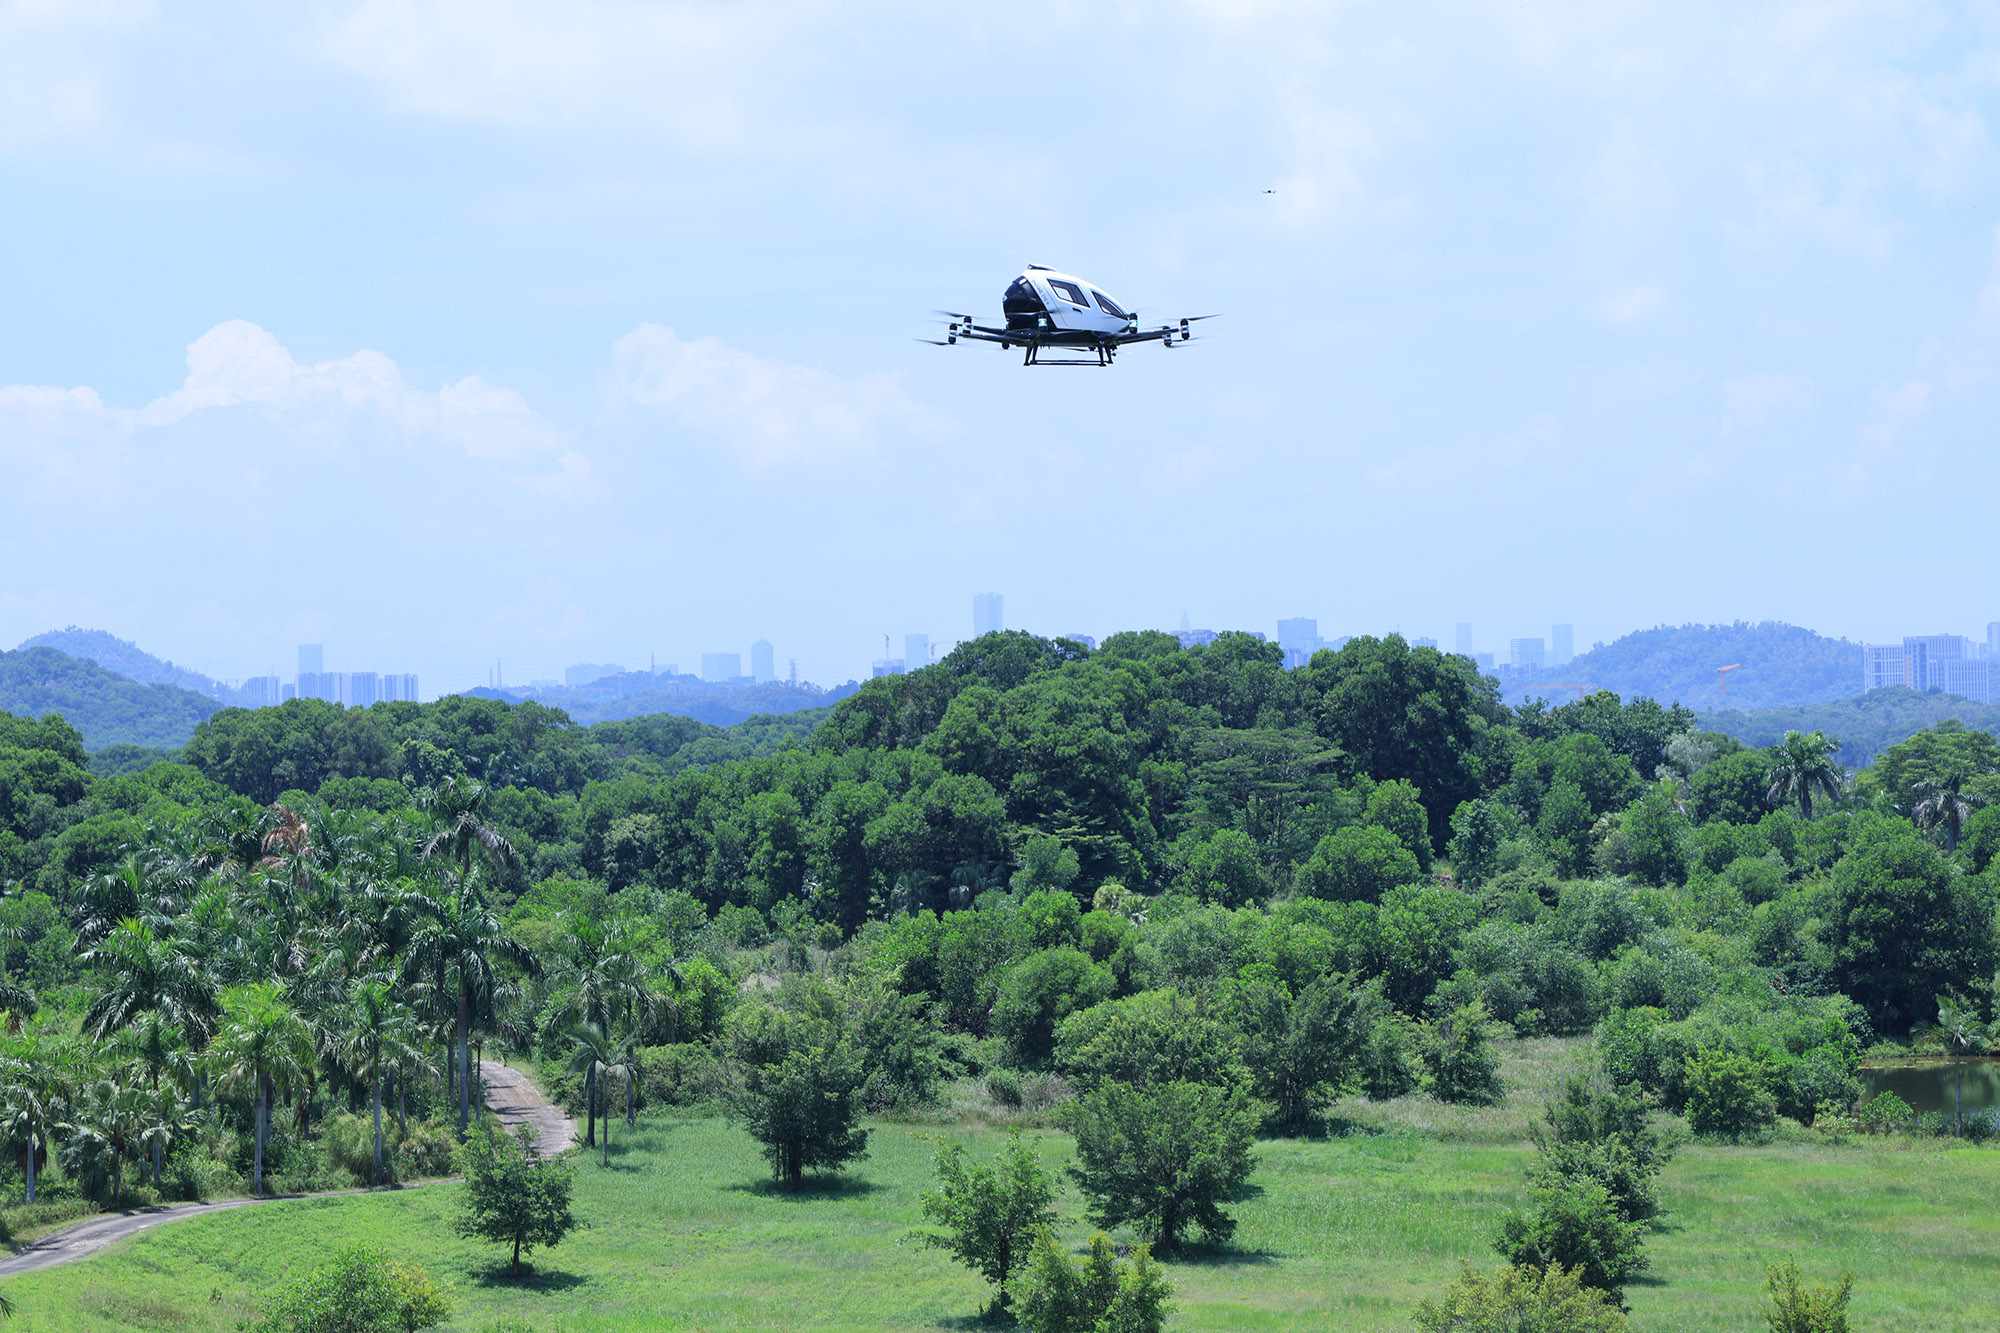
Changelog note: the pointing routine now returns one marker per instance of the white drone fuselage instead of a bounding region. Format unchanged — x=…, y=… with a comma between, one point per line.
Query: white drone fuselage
x=1047, y=309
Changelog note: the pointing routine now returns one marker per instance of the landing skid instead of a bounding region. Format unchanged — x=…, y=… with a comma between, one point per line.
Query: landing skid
x=1033, y=358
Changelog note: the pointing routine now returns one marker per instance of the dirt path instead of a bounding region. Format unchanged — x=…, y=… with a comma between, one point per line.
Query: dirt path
x=511, y=1096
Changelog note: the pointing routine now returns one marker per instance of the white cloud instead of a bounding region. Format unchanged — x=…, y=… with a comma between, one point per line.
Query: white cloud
x=236, y=364
x=773, y=411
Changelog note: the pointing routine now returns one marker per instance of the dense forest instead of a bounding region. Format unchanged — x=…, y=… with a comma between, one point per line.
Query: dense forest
x=129, y=659
x=1781, y=666
x=1156, y=886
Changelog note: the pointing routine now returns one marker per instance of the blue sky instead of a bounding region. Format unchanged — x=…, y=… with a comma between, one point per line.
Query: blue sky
x=475, y=331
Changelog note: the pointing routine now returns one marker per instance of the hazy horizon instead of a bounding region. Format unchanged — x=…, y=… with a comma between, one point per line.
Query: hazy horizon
x=459, y=334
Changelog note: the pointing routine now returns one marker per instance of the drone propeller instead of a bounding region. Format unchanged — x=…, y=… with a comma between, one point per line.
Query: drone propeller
x=949, y=314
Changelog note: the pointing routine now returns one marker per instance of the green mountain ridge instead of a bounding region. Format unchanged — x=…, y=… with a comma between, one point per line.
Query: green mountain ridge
x=127, y=659
x=1777, y=666
x=108, y=707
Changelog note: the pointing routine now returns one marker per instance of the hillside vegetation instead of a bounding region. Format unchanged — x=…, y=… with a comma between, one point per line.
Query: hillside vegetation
x=128, y=659
x=106, y=707
x=1781, y=666
x=1865, y=725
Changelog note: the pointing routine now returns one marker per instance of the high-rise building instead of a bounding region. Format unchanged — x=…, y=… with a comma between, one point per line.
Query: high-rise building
x=1562, y=645
x=589, y=673
x=262, y=691
x=719, y=668
x=318, y=685
x=916, y=651
x=1463, y=640
x=1524, y=654
x=312, y=659
x=1993, y=638
x=363, y=689
x=1945, y=662
x=1299, y=638
x=988, y=614
x=1088, y=641
x=763, y=662
x=399, y=687
x=889, y=666
x=289, y=690
x=1421, y=642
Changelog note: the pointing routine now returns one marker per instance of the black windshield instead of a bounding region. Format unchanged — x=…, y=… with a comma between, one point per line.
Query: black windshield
x=1021, y=299
x=1109, y=306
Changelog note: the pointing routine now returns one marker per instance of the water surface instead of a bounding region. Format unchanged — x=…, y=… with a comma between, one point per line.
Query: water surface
x=1928, y=1086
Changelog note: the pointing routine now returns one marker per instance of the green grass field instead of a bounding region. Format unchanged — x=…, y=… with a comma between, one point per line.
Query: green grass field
x=1343, y=1233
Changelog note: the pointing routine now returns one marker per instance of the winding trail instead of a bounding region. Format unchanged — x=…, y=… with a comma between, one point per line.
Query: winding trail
x=510, y=1095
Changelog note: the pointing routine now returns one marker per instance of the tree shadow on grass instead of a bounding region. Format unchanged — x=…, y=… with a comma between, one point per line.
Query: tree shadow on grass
x=1213, y=1254
x=501, y=1275
x=815, y=1187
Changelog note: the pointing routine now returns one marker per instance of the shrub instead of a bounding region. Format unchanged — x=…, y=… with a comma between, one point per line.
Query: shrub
x=1884, y=1113
x=1606, y=1134
x=1165, y=1157
x=1728, y=1094
x=679, y=1075
x=1795, y=1308
x=425, y=1152
x=1514, y=1300
x=1575, y=1223
x=1814, y=1079
x=1388, y=1063
x=989, y=1212
x=362, y=1291
x=1459, y=1062
x=1098, y=1294
x=1004, y=1087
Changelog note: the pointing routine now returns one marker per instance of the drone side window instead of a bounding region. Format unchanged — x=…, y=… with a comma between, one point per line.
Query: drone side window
x=1070, y=292
x=1109, y=306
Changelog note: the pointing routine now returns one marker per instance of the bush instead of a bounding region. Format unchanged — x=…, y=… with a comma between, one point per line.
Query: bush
x=1164, y=1157
x=1728, y=1094
x=426, y=1151
x=1459, y=1062
x=1004, y=1087
x=1388, y=1063
x=1575, y=1223
x=1795, y=1308
x=1884, y=1113
x=1095, y=1295
x=685, y=1074
x=1515, y=1300
x=362, y=1291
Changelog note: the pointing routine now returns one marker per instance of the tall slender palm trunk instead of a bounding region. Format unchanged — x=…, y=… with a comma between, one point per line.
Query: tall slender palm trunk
x=590, y=1107
x=262, y=1118
x=464, y=1071
x=31, y=1166
x=377, y=1179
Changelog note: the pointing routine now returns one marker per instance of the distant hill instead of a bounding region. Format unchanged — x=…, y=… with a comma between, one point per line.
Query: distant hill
x=1865, y=726
x=1781, y=666
x=129, y=659
x=717, y=705
x=106, y=706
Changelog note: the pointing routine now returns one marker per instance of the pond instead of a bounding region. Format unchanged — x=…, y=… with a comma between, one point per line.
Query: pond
x=1928, y=1086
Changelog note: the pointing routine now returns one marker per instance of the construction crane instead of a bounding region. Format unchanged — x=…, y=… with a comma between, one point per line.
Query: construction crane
x=1722, y=676
x=935, y=645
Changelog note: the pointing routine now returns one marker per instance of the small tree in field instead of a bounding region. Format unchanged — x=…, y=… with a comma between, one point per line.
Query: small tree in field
x=1542, y=1300
x=1164, y=1157
x=990, y=1212
x=1575, y=1223
x=796, y=1088
x=362, y=1291
x=512, y=1194
x=1796, y=1308
x=1096, y=1294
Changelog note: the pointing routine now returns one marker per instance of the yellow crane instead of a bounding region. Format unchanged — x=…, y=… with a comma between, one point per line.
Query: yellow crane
x=1722, y=675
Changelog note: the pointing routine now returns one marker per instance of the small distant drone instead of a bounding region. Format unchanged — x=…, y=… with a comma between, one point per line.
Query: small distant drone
x=1046, y=309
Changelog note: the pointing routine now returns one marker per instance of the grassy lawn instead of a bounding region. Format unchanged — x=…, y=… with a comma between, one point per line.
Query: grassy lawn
x=1343, y=1233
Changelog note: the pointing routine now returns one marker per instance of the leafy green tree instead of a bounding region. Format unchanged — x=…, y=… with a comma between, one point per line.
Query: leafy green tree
x=1735, y=788
x=1396, y=805
x=1045, y=864
x=1575, y=1223
x=1604, y=1133
x=1300, y=1050
x=266, y=1046
x=1164, y=1157
x=1564, y=828
x=796, y=1088
x=1359, y=863
x=1526, y=1299
x=362, y=1291
x=1097, y=1294
x=989, y=1211
x=1797, y=1308
x=1728, y=1093
x=1802, y=765
x=1904, y=926
x=1152, y=1037
x=151, y=975
x=1655, y=839
x=1477, y=830
x=1459, y=1062
x=512, y=1195
x=1041, y=991
x=1224, y=868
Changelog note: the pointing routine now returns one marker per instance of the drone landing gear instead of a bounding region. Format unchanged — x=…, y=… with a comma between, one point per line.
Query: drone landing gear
x=1103, y=357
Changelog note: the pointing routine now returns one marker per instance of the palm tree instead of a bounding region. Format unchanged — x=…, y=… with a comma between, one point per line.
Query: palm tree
x=1944, y=800
x=31, y=1087
x=455, y=950
x=457, y=808
x=601, y=979
x=157, y=1048
x=376, y=1035
x=152, y=974
x=625, y=1069
x=115, y=1119
x=1802, y=764
x=593, y=1056
x=1962, y=1033
x=265, y=1045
